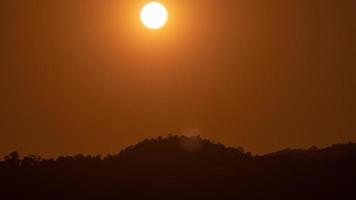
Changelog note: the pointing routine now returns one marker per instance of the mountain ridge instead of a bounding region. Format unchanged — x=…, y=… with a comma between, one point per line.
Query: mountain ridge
x=184, y=167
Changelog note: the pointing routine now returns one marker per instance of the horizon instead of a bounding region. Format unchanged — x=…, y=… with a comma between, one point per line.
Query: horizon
x=180, y=137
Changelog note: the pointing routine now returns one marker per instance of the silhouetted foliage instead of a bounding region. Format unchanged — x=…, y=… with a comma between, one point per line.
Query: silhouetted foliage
x=180, y=167
x=12, y=160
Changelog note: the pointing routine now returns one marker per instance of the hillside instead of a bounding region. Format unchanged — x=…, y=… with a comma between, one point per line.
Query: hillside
x=180, y=167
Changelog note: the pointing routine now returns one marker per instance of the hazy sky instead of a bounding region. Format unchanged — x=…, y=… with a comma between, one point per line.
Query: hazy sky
x=85, y=76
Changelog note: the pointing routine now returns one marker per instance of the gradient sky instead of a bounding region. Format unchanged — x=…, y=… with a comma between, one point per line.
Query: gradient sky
x=85, y=76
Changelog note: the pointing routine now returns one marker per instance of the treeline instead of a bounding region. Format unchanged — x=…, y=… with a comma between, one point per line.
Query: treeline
x=180, y=167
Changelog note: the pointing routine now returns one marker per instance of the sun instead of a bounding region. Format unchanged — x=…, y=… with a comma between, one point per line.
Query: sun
x=154, y=15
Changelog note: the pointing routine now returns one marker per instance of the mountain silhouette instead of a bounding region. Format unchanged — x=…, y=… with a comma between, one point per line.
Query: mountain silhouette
x=181, y=167
x=179, y=149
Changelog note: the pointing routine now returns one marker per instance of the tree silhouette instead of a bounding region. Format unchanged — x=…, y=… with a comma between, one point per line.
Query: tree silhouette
x=181, y=167
x=12, y=160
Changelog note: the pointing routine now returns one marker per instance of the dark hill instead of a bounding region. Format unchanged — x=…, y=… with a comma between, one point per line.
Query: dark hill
x=180, y=149
x=179, y=167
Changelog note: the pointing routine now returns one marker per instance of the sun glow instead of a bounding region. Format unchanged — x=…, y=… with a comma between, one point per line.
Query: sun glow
x=154, y=15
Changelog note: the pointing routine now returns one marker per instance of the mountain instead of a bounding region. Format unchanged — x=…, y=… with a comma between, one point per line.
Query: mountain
x=181, y=167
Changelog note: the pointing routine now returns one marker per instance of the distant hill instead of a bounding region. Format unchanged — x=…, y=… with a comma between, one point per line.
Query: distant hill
x=335, y=151
x=181, y=148
x=181, y=167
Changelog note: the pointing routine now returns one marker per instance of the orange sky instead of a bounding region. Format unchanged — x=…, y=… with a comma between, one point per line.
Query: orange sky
x=85, y=76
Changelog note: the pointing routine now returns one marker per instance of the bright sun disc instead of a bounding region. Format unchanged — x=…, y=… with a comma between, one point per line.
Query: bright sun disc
x=154, y=15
